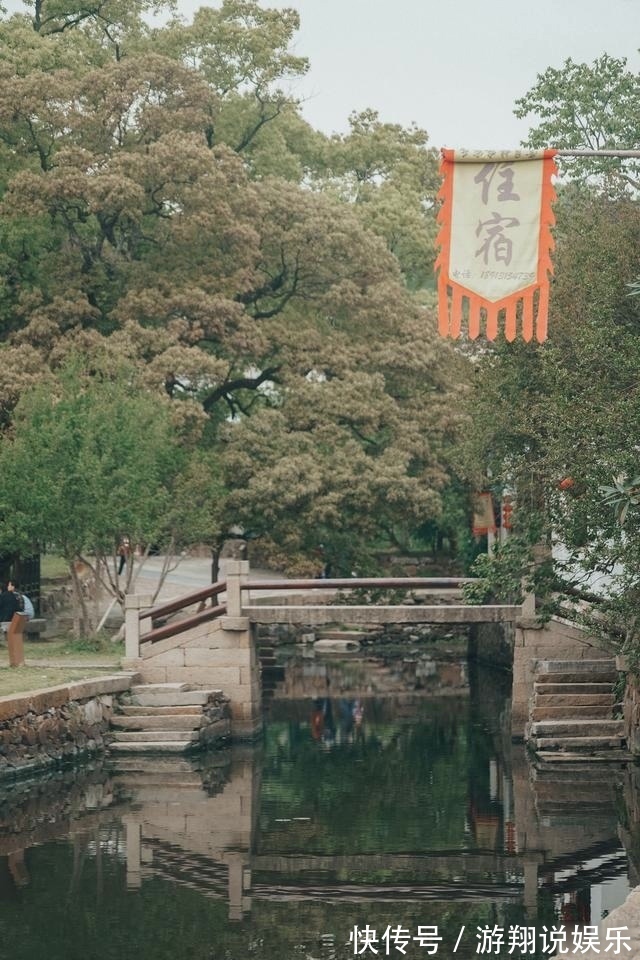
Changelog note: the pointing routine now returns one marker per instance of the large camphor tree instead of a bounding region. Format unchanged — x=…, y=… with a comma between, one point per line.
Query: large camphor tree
x=163, y=203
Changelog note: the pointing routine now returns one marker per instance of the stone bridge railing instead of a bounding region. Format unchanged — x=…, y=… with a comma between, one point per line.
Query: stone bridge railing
x=307, y=602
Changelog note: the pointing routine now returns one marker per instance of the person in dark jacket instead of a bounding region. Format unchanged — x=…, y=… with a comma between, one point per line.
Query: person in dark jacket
x=24, y=603
x=9, y=604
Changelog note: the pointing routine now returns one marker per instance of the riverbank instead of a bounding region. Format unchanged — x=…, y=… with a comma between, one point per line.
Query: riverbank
x=54, y=662
x=47, y=727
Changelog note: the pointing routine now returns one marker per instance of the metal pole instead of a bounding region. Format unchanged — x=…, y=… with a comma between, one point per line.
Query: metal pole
x=631, y=154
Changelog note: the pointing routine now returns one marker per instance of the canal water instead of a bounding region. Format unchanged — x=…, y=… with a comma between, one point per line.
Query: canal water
x=385, y=813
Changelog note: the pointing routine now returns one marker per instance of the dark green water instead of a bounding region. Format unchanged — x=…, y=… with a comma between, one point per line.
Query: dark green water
x=385, y=796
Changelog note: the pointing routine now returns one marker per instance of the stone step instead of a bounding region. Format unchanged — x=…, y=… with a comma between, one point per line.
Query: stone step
x=154, y=722
x=184, y=698
x=274, y=673
x=160, y=688
x=572, y=689
x=163, y=769
x=141, y=736
x=575, y=666
x=580, y=775
x=574, y=699
x=149, y=746
x=601, y=676
x=143, y=782
x=578, y=744
x=574, y=792
x=587, y=808
x=606, y=760
x=170, y=794
x=577, y=728
x=161, y=711
x=589, y=712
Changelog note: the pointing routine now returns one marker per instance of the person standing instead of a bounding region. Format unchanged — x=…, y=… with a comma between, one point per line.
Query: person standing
x=124, y=554
x=24, y=602
x=9, y=604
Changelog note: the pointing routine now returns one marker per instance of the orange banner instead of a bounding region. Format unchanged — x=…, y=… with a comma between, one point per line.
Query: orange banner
x=495, y=242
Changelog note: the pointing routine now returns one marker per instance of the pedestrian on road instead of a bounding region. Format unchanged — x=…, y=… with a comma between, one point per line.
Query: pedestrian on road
x=124, y=552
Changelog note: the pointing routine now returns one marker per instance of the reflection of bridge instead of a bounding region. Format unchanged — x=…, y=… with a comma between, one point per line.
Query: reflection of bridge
x=175, y=831
x=197, y=826
x=211, y=878
x=457, y=863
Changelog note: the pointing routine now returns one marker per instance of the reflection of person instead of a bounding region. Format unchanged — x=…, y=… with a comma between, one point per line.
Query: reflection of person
x=346, y=720
x=317, y=720
x=322, y=725
x=9, y=604
x=358, y=712
x=329, y=732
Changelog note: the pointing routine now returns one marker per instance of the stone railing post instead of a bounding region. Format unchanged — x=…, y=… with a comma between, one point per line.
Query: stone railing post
x=133, y=604
x=528, y=603
x=236, y=573
x=15, y=640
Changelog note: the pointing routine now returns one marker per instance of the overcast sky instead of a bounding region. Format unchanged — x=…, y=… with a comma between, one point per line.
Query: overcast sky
x=455, y=67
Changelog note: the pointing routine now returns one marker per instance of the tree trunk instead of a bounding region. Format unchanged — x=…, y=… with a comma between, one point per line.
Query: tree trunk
x=215, y=563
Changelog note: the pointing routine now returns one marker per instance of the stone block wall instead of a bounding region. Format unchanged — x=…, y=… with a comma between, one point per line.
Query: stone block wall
x=492, y=643
x=46, y=727
x=221, y=654
x=631, y=712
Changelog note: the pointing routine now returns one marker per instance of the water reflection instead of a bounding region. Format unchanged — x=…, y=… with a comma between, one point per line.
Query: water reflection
x=362, y=807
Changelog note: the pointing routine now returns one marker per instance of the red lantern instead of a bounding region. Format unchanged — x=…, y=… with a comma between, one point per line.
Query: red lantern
x=507, y=514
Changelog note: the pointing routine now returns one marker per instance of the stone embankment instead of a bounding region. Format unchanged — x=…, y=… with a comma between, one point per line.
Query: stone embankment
x=46, y=727
x=50, y=727
x=285, y=634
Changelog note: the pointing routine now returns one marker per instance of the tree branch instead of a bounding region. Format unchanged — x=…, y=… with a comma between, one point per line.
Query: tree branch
x=224, y=391
x=264, y=118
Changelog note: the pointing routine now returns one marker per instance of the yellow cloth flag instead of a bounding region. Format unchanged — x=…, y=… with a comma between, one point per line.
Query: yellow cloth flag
x=495, y=242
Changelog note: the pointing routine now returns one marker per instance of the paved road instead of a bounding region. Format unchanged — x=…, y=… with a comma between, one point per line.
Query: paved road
x=190, y=574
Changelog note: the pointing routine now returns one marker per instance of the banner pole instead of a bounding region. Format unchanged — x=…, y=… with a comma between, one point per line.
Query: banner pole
x=599, y=153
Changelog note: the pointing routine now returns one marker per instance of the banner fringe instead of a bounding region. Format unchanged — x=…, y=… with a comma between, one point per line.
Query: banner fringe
x=452, y=300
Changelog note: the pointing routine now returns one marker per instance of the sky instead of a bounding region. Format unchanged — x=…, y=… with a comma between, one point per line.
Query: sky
x=454, y=67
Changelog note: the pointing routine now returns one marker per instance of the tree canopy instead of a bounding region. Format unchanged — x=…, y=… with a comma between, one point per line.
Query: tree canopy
x=163, y=201
x=558, y=421
x=584, y=106
x=93, y=461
